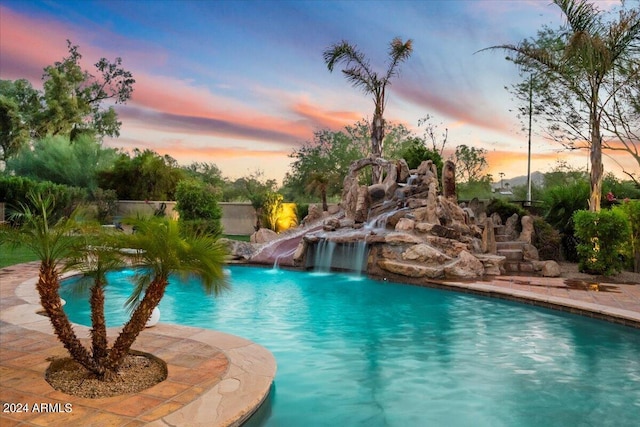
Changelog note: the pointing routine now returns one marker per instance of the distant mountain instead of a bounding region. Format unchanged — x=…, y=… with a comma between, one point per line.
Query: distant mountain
x=536, y=178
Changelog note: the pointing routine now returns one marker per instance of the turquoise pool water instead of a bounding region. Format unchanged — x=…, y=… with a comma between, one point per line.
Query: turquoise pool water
x=358, y=352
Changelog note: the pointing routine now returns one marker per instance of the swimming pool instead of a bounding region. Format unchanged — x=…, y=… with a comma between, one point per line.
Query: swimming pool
x=357, y=352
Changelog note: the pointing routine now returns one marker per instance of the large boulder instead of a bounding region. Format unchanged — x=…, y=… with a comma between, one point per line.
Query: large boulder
x=410, y=269
x=238, y=250
x=263, y=235
x=551, y=269
x=405, y=224
x=465, y=267
x=426, y=254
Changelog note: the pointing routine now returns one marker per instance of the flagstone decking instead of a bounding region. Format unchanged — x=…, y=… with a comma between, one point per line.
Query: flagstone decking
x=215, y=379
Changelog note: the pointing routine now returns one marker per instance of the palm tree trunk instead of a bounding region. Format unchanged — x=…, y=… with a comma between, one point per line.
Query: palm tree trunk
x=595, y=154
x=377, y=136
x=597, y=171
x=99, y=341
x=325, y=206
x=47, y=286
x=136, y=323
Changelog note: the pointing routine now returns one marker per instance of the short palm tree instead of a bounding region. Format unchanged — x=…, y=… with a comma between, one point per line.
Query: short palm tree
x=160, y=249
x=319, y=181
x=53, y=241
x=359, y=72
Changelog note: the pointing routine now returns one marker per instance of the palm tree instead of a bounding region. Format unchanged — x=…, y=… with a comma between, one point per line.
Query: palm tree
x=99, y=254
x=160, y=250
x=358, y=71
x=163, y=251
x=592, y=61
x=319, y=181
x=52, y=241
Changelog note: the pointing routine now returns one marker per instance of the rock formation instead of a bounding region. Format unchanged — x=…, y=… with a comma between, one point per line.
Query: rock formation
x=412, y=228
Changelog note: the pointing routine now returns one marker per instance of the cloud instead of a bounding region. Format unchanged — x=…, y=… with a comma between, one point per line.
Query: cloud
x=25, y=51
x=319, y=117
x=214, y=127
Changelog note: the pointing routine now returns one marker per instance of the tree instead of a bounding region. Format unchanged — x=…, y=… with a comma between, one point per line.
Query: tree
x=432, y=134
x=272, y=209
x=57, y=160
x=73, y=98
x=318, y=183
x=256, y=190
x=584, y=70
x=52, y=242
x=329, y=154
x=470, y=163
x=414, y=151
x=161, y=250
x=145, y=176
x=208, y=173
x=197, y=204
x=359, y=73
x=19, y=104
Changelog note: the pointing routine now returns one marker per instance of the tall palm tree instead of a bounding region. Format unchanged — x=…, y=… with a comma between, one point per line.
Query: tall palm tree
x=591, y=60
x=358, y=71
x=162, y=250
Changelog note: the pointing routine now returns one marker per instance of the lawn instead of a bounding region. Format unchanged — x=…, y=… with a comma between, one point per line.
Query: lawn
x=10, y=256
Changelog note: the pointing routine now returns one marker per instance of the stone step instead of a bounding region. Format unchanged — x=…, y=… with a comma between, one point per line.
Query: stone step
x=518, y=267
x=511, y=254
x=509, y=244
x=503, y=238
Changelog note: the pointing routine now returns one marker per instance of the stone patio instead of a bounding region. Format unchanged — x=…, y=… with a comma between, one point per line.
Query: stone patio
x=214, y=379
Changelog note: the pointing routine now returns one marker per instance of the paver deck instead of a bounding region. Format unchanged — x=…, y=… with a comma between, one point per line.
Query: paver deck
x=214, y=379
x=217, y=379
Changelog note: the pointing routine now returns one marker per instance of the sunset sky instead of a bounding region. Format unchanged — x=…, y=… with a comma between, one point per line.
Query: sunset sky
x=243, y=83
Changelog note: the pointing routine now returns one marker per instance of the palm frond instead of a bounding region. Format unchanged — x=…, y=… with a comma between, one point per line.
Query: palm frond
x=399, y=52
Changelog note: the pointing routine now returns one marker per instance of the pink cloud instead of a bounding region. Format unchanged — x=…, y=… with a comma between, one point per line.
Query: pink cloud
x=29, y=44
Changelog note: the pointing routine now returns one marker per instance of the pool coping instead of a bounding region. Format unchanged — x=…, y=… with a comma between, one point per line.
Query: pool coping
x=247, y=371
x=588, y=309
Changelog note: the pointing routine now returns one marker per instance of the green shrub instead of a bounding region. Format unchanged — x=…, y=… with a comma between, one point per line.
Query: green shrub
x=546, y=239
x=559, y=205
x=505, y=210
x=631, y=209
x=602, y=236
x=198, y=207
x=106, y=202
x=302, y=211
x=14, y=190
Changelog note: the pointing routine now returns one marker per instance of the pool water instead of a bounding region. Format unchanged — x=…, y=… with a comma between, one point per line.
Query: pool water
x=357, y=352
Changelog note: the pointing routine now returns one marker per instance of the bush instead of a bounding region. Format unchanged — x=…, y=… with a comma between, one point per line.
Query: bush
x=197, y=205
x=602, y=236
x=106, y=202
x=559, y=205
x=631, y=209
x=505, y=209
x=546, y=239
x=14, y=190
x=271, y=210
